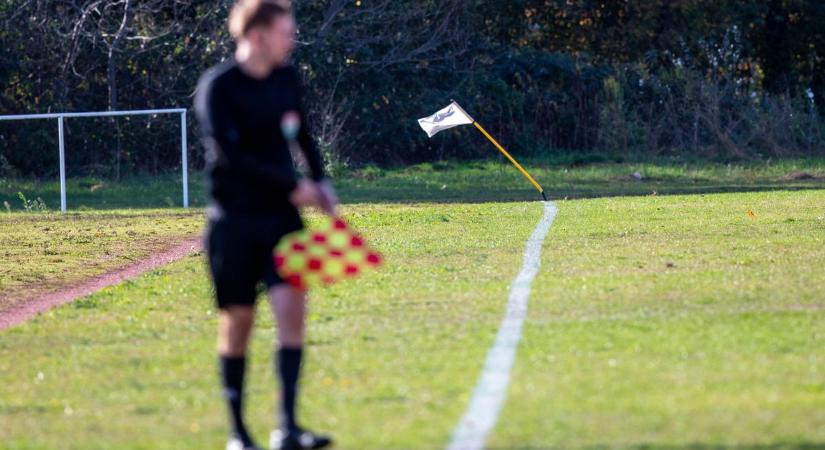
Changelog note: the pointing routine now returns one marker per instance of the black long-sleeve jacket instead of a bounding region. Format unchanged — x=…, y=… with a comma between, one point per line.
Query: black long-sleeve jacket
x=247, y=156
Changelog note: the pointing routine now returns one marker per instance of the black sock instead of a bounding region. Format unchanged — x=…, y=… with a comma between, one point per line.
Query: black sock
x=232, y=376
x=289, y=368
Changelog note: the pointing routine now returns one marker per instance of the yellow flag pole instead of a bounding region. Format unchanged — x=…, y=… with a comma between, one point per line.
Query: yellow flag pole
x=504, y=152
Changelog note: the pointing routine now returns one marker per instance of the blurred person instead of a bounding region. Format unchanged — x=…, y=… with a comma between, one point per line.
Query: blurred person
x=251, y=115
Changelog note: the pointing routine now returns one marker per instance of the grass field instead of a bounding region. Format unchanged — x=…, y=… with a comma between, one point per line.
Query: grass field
x=44, y=251
x=656, y=322
x=450, y=182
x=676, y=322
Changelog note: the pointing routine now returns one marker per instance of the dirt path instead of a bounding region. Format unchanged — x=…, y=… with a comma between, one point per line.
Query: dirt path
x=37, y=304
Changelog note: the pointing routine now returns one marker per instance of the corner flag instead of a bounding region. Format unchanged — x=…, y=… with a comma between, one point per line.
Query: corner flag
x=454, y=115
x=451, y=116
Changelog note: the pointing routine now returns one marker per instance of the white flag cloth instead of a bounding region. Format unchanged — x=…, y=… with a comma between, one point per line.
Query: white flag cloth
x=451, y=116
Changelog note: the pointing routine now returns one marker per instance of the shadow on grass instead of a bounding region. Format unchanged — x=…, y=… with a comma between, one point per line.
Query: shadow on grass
x=413, y=194
x=473, y=182
x=486, y=181
x=144, y=192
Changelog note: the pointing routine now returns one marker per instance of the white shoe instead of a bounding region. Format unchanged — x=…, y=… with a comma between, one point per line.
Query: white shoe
x=236, y=444
x=297, y=440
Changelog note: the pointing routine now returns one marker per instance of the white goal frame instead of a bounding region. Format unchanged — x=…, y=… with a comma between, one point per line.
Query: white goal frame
x=141, y=112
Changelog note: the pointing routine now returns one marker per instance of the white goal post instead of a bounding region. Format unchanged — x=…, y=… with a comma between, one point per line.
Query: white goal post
x=142, y=112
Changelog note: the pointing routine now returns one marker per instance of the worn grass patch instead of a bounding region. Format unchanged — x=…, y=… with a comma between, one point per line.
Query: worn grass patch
x=42, y=252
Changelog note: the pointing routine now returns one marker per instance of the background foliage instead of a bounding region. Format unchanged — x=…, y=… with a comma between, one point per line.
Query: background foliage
x=696, y=79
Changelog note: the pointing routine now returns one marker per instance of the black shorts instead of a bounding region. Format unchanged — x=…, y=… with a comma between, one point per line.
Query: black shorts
x=239, y=250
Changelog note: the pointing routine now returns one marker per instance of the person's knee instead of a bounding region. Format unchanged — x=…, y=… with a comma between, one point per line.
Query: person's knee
x=289, y=307
x=235, y=325
x=291, y=337
x=291, y=328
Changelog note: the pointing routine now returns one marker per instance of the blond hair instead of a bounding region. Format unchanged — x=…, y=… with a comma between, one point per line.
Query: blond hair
x=248, y=14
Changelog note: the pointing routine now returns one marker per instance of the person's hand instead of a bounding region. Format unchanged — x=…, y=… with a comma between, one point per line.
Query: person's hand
x=305, y=194
x=329, y=201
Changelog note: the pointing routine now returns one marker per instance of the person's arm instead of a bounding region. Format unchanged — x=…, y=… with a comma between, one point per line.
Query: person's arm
x=311, y=153
x=328, y=198
x=222, y=136
x=305, y=140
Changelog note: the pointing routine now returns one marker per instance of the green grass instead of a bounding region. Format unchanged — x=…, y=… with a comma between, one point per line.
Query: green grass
x=133, y=366
x=94, y=193
x=451, y=182
x=44, y=251
x=678, y=321
x=656, y=322
x=499, y=181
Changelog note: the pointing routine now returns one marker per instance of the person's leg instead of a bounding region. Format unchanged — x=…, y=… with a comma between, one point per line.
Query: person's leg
x=289, y=309
x=234, y=276
x=234, y=328
x=289, y=306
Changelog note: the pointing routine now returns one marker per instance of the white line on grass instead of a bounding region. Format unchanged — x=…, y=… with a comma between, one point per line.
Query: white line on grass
x=491, y=389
